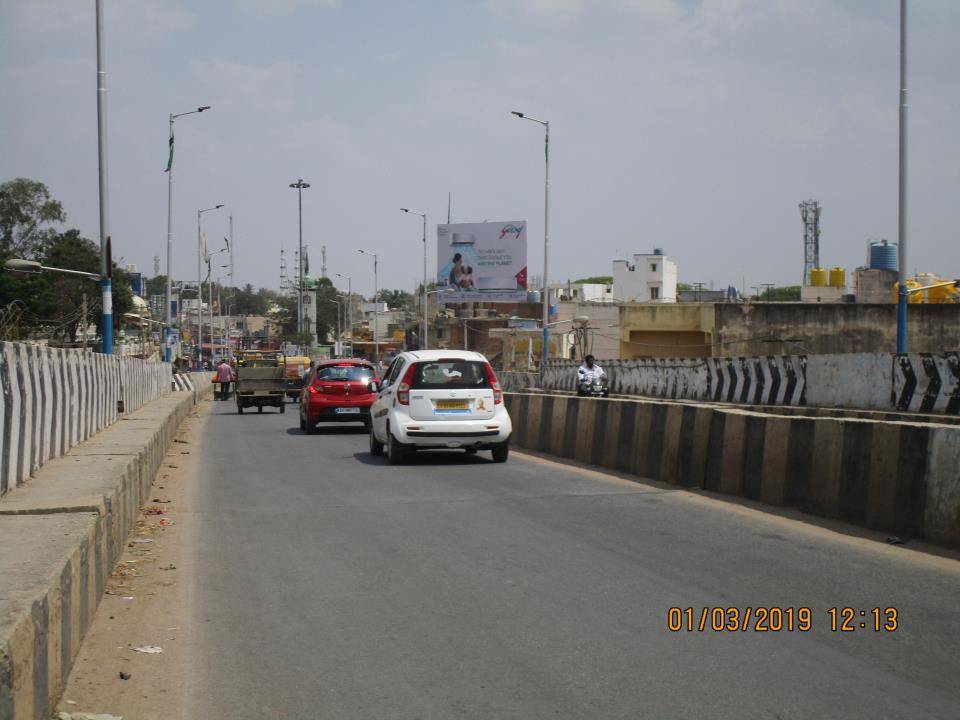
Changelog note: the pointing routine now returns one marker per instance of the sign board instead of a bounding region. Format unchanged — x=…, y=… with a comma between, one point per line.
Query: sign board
x=482, y=262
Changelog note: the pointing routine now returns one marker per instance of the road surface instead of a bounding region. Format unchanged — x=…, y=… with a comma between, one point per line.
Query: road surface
x=331, y=585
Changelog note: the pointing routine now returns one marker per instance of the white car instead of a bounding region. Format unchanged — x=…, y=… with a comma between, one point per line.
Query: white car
x=438, y=399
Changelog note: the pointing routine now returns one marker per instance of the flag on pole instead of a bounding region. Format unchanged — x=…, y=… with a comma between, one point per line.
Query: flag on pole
x=203, y=247
x=170, y=158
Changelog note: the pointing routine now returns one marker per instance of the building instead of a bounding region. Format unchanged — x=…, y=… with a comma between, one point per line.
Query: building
x=580, y=292
x=646, y=279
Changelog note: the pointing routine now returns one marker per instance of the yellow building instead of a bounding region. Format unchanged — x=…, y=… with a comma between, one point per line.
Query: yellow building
x=666, y=330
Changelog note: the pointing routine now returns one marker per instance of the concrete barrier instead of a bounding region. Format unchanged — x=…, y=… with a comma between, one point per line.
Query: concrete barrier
x=896, y=477
x=915, y=382
x=53, y=399
x=60, y=536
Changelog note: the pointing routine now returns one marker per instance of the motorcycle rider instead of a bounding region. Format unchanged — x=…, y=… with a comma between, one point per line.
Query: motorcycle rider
x=590, y=373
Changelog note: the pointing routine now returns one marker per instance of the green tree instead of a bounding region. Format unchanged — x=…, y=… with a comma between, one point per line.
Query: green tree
x=27, y=213
x=397, y=299
x=596, y=280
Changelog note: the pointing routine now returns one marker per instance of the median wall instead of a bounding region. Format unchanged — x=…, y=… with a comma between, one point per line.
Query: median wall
x=54, y=398
x=895, y=477
x=915, y=382
x=61, y=533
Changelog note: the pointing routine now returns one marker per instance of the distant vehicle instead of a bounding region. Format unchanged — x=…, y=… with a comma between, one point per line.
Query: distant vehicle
x=294, y=368
x=260, y=386
x=438, y=399
x=337, y=391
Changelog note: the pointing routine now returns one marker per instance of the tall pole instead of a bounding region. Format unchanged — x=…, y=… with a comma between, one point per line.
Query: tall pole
x=106, y=290
x=167, y=319
x=902, y=207
x=167, y=315
x=348, y=311
x=199, y=296
x=300, y=185
x=546, y=247
x=424, y=343
x=376, y=316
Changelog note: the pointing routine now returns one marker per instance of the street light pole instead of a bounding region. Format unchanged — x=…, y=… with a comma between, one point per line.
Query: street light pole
x=337, y=341
x=376, y=311
x=106, y=290
x=424, y=345
x=167, y=315
x=902, y=199
x=200, y=255
x=300, y=185
x=349, y=312
x=546, y=236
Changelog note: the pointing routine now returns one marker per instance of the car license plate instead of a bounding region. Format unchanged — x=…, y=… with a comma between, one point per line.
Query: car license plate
x=347, y=411
x=452, y=405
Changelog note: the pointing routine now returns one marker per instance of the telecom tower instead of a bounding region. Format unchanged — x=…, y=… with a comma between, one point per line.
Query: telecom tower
x=323, y=261
x=284, y=282
x=156, y=265
x=810, y=214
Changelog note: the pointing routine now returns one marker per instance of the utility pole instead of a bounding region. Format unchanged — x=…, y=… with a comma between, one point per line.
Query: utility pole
x=106, y=271
x=300, y=185
x=902, y=196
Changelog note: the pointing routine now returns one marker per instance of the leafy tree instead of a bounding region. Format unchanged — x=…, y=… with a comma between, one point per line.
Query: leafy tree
x=156, y=285
x=26, y=214
x=397, y=299
x=782, y=294
x=596, y=280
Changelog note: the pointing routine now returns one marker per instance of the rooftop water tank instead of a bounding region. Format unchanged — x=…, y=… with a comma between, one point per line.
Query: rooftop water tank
x=658, y=251
x=883, y=255
x=838, y=277
x=818, y=277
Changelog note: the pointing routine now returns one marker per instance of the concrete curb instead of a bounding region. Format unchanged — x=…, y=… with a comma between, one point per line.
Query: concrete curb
x=895, y=477
x=62, y=532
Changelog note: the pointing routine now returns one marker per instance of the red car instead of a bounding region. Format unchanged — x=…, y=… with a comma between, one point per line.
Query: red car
x=337, y=391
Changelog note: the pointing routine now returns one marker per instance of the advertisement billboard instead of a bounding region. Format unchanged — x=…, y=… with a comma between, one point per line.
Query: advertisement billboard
x=482, y=262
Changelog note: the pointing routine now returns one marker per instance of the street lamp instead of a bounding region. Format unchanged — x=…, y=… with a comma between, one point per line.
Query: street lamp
x=349, y=308
x=376, y=309
x=106, y=269
x=168, y=350
x=32, y=267
x=423, y=322
x=546, y=233
x=902, y=190
x=300, y=185
x=210, y=293
x=200, y=255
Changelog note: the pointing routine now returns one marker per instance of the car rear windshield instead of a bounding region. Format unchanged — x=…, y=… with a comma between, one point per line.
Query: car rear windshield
x=445, y=374
x=345, y=373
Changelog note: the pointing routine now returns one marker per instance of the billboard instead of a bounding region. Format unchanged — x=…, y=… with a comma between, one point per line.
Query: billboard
x=482, y=262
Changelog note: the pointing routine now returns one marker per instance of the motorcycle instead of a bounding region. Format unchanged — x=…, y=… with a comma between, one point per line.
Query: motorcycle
x=593, y=388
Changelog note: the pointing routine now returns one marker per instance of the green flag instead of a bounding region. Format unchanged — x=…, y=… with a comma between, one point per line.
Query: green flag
x=170, y=159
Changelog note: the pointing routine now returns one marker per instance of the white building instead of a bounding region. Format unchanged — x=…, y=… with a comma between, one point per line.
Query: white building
x=579, y=292
x=648, y=278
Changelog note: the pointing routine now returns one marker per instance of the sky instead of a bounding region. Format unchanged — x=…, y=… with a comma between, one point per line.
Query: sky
x=696, y=126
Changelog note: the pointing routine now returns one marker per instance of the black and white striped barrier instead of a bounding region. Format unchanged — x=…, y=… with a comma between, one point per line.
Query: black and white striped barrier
x=53, y=399
x=927, y=383
x=182, y=382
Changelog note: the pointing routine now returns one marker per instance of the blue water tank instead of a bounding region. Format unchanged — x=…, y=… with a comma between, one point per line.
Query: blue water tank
x=883, y=255
x=658, y=251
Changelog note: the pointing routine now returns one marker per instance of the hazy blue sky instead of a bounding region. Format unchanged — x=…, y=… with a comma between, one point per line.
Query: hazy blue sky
x=696, y=126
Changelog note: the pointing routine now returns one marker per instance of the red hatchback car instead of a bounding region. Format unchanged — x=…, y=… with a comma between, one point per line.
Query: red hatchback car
x=337, y=391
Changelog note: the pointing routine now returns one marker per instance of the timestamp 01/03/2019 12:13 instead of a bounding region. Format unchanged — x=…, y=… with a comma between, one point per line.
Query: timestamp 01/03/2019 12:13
x=780, y=619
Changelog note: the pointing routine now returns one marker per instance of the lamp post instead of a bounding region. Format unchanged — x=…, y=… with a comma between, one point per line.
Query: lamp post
x=167, y=315
x=200, y=255
x=300, y=186
x=423, y=322
x=376, y=310
x=902, y=194
x=210, y=294
x=106, y=270
x=546, y=234
x=349, y=308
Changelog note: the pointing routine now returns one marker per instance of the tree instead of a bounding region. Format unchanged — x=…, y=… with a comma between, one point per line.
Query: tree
x=327, y=297
x=156, y=285
x=26, y=214
x=397, y=299
x=596, y=280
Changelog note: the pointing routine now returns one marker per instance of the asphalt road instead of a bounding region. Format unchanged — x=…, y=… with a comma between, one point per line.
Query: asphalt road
x=331, y=585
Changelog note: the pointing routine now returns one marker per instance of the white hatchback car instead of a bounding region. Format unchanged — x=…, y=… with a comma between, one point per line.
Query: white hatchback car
x=438, y=399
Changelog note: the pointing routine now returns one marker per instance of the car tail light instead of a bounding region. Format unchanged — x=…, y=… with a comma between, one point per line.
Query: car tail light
x=495, y=384
x=314, y=389
x=403, y=389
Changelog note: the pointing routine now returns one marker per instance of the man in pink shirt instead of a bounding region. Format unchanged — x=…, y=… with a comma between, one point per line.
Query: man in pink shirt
x=224, y=377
